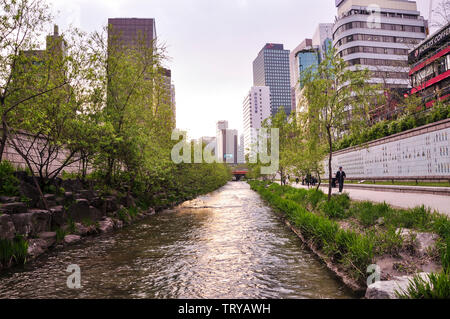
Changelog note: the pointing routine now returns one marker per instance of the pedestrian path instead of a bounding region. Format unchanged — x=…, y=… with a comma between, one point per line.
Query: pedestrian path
x=396, y=199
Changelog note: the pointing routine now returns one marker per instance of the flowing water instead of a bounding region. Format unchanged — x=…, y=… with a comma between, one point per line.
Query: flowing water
x=227, y=244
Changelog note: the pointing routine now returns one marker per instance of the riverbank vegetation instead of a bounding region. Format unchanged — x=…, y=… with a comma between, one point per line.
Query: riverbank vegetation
x=354, y=235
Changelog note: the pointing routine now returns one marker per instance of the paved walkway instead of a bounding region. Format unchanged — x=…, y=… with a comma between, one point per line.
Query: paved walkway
x=396, y=199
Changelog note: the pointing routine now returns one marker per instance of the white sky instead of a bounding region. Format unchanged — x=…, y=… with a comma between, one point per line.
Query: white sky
x=212, y=44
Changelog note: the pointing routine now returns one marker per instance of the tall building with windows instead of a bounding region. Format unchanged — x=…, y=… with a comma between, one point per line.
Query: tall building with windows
x=377, y=35
x=271, y=68
x=256, y=108
x=308, y=54
x=130, y=32
x=227, y=143
x=305, y=56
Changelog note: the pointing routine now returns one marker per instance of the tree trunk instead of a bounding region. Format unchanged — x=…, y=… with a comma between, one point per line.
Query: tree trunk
x=330, y=157
x=4, y=138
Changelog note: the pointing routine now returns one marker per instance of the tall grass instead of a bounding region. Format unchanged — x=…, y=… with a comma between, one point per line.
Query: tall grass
x=15, y=250
x=436, y=286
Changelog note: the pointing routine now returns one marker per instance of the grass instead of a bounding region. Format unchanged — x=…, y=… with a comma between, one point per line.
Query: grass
x=15, y=250
x=436, y=286
x=377, y=225
x=9, y=185
x=400, y=183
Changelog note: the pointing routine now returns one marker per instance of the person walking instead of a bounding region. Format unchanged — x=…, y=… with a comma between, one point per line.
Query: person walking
x=340, y=178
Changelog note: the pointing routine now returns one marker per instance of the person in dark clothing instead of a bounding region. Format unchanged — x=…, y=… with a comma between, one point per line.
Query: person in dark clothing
x=340, y=177
x=297, y=180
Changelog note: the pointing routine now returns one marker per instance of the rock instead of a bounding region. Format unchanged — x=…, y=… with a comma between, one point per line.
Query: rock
x=14, y=208
x=30, y=192
x=130, y=201
x=88, y=194
x=71, y=239
x=59, y=216
x=386, y=289
x=7, y=199
x=32, y=223
x=425, y=242
x=380, y=221
x=49, y=237
x=80, y=210
x=118, y=224
x=7, y=229
x=95, y=213
x=60, y=201
x=106, y=226
x=98, y=202
x=68, y=197
x=111, y=204
x=72, y=185
x=83, y=230
x=36, y=247
x=49, y=197
x=150, y=212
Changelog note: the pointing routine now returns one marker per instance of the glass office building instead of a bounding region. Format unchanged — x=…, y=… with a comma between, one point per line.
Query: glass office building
x=271, y=68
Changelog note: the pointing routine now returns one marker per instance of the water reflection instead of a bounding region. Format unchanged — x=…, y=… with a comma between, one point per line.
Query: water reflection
x=224, y=245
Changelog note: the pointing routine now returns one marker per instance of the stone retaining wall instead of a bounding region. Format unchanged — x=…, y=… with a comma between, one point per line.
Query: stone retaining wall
x=421, y=153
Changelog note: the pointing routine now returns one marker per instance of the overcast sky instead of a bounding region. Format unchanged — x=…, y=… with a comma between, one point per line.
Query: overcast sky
x=212, y=44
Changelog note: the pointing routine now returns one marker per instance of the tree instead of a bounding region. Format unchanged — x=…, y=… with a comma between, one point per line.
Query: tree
x=21, y=26
x=441, y=15
x=338, y=101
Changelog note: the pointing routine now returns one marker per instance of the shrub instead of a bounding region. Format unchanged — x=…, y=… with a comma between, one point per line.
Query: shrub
x=9, y=183
x=314, y=196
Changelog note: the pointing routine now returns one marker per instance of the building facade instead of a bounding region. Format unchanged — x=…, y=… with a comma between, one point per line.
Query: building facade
x=430, y=67
x=377, y=35
x=227, y=143
x=271, y=68
x=256, y=108
x=305, y=56
x=308, y=54
x=132, y=32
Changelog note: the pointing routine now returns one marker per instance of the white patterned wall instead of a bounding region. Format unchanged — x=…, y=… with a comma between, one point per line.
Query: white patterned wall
x=424, y=155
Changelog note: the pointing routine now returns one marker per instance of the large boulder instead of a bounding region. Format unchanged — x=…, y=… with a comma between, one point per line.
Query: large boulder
x=14, y=208
x=36, y=247
x=49, y=237
x=106, y=226
x=72, y=239
x=423, y=242
x=7, y=229
x=59, y=216
x=111, y=204
x=83, y=230
x=29, y=191
x=9, y=199
x=32, y=223
x=80, y=210
x=72, y=185
x=387, y=289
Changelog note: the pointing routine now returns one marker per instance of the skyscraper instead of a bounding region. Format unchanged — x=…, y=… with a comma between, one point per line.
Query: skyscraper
x=130, y=32
x=271, y=68
x=377, y=35
x=256, y=108
x=227, y=143
x=305, y=56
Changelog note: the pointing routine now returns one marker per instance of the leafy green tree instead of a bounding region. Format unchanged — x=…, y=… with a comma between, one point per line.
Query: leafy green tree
x=338, y=100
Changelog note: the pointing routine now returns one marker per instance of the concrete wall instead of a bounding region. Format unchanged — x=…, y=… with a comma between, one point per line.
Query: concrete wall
x=421, y=153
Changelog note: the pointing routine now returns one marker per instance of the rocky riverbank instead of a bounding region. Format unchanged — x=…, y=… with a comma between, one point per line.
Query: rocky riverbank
x=77, y=212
